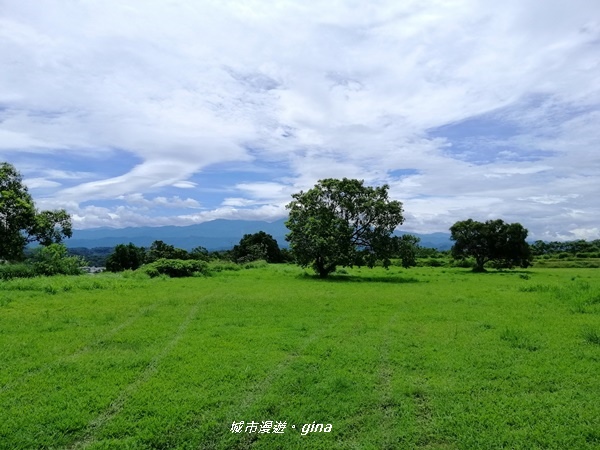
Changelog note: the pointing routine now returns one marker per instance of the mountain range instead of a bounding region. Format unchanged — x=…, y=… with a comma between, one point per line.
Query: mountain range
x=218, y=234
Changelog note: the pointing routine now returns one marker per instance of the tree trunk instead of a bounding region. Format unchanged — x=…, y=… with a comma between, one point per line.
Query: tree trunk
x=322, y=269
x=479, y=263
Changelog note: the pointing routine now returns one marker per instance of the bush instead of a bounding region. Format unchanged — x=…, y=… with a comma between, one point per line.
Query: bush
x=9, y=271
x=53, y=260
x=464, y=263
x=176, y=268
x=433, y=262
x=45, y=261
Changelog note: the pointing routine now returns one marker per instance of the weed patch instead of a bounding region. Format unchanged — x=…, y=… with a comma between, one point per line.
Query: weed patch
x=518, y=339
x=591, y=335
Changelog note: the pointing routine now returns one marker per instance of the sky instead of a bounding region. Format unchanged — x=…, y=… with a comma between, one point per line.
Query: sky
x=176, y=112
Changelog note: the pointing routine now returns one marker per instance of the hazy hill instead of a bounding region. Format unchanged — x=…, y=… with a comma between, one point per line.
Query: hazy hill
x=214, y=235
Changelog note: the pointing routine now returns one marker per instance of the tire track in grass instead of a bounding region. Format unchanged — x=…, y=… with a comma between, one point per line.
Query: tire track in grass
x=115, y=407
x=424, y=417
x=259, y=389
x=388, y=405
x=80, y=351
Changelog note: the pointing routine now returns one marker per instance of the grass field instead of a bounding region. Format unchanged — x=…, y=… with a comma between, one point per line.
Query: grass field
x=422, y=358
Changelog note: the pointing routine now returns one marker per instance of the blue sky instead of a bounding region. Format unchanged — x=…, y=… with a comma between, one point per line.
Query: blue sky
x=153, y=112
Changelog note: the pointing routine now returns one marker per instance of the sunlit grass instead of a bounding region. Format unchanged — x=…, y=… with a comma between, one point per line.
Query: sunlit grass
x=419, y=358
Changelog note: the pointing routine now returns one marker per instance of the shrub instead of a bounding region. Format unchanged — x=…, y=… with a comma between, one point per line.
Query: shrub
x=176, y=268
x=9, y=271
x=591, y=336
x=464, y=263
x=53, y=260
x=434, y=262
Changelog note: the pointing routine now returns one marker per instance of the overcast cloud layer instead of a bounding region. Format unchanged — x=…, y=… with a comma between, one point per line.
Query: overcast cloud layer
x=155, y=112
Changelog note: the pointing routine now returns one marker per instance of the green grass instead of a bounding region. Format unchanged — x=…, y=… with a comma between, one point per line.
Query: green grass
x=436, y=358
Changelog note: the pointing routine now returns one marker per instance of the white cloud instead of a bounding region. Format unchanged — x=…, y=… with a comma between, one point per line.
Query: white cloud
x=185, y=184
x=324, y=90
x=138, y=199
x=36, y=183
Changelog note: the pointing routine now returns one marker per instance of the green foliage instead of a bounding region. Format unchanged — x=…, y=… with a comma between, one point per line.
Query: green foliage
x=433, y=262
x=44, y=261
x=176, y=268
x=161, y=250
x=200, y=253
x=408, y=248
x=20, y=222
x=96, y=256
x=125, y=257
x=54, y=260
x=17, y=213
x=257, y=246
x=17, y=270
x=339, y=222
x=502, y=243
x=567, y=248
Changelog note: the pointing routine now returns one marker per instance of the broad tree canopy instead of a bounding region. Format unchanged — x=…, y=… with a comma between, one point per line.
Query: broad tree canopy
x=339, y=220
x=497, y=241
x=256, y=246
x=20, y=222
x=125, y=257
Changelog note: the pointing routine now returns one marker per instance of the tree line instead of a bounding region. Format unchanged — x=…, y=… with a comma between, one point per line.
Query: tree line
x=337, y=223
x=252, y=247
x=580, y=247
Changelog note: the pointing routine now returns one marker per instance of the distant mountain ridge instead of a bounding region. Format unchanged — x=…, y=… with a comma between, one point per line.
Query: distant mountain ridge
x=220, y=234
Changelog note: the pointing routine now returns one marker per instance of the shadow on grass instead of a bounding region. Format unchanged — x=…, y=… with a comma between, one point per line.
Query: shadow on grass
x=360, y=279
x=492, y=271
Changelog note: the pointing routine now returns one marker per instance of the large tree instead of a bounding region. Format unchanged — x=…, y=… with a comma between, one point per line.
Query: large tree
x=339, y=221
x=257, y=246
x=20, y=222
x=494, y=240
x=125, y=257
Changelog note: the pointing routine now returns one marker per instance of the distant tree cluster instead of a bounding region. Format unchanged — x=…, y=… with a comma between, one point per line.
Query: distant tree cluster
x=131, y=257
x=492, y=241
x=336, y=223
x=573, y=248
x=257, y=246
x=95, y=256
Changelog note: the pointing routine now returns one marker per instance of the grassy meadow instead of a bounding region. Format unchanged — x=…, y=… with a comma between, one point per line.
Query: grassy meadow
x=435, y=358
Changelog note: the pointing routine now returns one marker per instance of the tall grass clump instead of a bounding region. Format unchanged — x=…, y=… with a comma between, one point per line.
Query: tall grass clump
x=518, y=339
x=223, y=266
x=258, y=264
x=591, y=335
